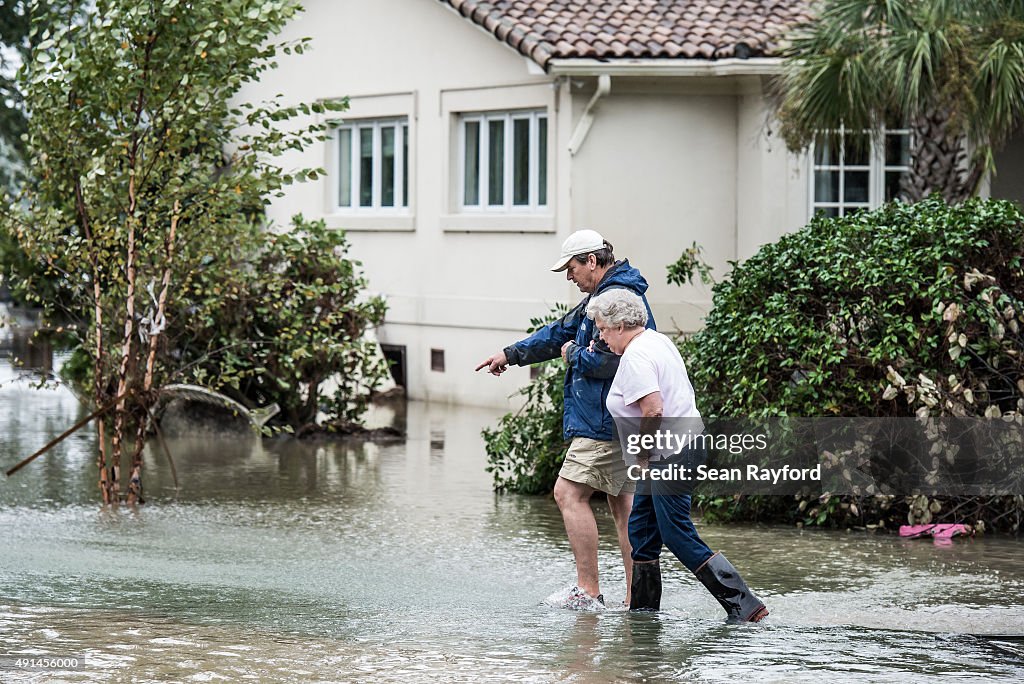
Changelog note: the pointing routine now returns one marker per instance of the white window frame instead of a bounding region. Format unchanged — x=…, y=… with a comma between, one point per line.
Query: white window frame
x=508, y=206
x=876, y=168
x=401, y=127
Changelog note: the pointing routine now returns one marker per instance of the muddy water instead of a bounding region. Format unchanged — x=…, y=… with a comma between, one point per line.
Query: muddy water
x=277, y=561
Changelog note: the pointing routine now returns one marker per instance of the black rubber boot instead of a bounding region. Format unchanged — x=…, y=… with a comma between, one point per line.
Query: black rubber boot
x=645, y=589
x=719, y=577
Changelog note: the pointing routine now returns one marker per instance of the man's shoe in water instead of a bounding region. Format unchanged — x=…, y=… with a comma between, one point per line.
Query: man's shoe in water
x=581, y=600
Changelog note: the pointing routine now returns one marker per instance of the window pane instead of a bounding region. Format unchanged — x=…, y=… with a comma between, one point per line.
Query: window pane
x=405, y=166
x=857, y=149
x=496, y=165
x=855, y=186
x=387, y=166
x=345, y=167
x=521, y=161
x=542, y=161
x=471, y=182
x=365, y=167
x=897, y=150
x=892, y=184
x=831, y=212
x=826, y=186
x=826, y=150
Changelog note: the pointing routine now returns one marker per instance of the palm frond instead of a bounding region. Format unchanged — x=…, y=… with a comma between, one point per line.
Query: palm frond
x=999, y=90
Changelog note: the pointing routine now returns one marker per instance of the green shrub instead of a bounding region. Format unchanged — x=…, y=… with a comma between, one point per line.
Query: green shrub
x=25, y=281
x=908, y=310
x=282, y=321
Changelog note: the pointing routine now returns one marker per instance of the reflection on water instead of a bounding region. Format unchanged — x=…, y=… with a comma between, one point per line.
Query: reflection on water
x=281, y=560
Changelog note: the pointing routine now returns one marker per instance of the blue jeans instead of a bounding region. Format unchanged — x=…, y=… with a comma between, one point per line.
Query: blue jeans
x=663, y=518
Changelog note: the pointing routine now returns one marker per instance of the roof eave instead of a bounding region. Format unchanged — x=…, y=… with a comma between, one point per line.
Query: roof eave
x=755, y=66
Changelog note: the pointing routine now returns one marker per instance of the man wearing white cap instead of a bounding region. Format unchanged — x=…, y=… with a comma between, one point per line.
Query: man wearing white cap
x=594, y=460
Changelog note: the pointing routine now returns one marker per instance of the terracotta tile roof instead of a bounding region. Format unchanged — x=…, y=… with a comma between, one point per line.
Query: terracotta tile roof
x=691, y=29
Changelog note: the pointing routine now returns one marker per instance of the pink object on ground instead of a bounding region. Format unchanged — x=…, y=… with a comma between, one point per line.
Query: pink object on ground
x=945, y=531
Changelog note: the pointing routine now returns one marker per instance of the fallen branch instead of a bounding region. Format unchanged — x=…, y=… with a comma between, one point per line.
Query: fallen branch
x=70, y=431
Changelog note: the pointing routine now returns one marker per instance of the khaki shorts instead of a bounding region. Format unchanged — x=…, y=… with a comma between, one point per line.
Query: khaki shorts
x=597, y=464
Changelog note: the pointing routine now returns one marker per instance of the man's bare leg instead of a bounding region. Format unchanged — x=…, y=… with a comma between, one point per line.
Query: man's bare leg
x=573, y=501
x=620, y=507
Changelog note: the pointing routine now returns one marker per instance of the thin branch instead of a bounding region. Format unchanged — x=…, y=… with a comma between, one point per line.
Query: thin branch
x=70, y=431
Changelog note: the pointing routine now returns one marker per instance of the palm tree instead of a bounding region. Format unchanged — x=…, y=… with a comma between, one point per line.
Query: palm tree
x=952, y=71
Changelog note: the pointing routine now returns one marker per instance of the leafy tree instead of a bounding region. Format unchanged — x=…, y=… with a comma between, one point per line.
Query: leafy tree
x=16, y=44
x=141, y=168
x=953, y=70
x=18, y=273
x=14, y=29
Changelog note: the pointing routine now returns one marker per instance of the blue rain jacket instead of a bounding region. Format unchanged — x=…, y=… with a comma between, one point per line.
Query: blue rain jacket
x=590, y=373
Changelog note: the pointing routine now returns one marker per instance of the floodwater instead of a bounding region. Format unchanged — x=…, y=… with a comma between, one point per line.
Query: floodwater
x=284, y=561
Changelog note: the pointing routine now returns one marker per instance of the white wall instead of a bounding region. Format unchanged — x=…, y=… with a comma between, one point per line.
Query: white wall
x=773, y=187
x=677, y=161
x=657, y=173
x=468, y=287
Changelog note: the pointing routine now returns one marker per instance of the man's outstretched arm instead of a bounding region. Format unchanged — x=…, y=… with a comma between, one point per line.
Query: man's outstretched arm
x=543, y=345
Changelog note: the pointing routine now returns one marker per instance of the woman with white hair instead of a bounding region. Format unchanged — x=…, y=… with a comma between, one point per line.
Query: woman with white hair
x=651, y=382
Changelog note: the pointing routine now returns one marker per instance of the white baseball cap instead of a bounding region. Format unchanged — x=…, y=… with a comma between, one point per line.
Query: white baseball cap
x=581, y=242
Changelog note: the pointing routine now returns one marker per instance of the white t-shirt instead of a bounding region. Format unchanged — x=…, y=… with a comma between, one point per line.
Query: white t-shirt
x=651, y=363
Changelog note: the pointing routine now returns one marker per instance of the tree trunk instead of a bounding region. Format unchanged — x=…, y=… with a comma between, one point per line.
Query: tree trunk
x=127, y=341
x=313, y=402
x=106, y=484
x=120, y=411
x=135, y=481
x=939, y=159
x=99, y=384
